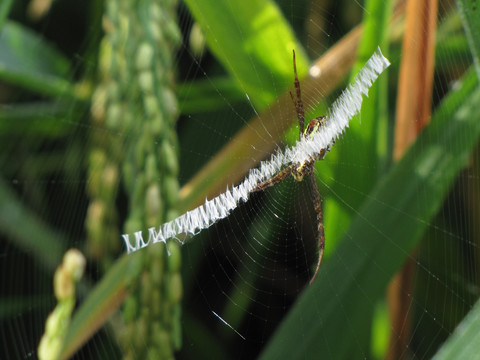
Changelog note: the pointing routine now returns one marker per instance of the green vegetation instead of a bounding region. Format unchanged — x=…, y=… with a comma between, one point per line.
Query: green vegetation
x=55, y=153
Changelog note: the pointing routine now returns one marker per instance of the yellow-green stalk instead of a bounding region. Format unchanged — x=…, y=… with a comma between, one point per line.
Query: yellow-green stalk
x=64, y=285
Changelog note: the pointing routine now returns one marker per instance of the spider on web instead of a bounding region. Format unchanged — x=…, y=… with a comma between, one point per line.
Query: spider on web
x=306, y=168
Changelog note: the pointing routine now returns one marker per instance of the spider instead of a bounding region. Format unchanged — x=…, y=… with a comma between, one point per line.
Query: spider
x=305, y=169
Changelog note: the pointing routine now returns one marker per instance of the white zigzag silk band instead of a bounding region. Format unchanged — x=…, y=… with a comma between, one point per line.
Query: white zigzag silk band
x=343, y=109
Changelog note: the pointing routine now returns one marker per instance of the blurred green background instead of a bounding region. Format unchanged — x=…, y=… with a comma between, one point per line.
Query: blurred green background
x=110, y=110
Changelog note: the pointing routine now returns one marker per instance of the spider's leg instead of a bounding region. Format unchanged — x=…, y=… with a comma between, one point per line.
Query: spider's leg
x=317, y=204
x=298, y=101
x=274, y=180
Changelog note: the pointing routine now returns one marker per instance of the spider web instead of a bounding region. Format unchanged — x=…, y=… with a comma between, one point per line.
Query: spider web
x=243, y=275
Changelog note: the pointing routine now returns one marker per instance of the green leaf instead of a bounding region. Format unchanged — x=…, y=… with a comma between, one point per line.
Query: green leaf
x=464, y=343
x=254, y=43
x=37, y=119
x=27, y=60
x=470, y=13
x=5, y=6
x=12, y=305
x=27, y=232
x=208, y=95
x=368, y=132
x=330, y=317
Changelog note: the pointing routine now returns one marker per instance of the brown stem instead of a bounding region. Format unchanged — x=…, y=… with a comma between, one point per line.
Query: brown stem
x=413, y=113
